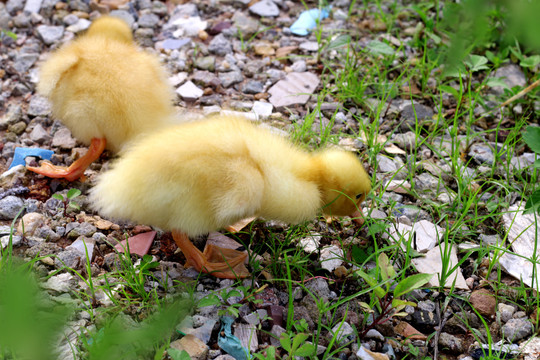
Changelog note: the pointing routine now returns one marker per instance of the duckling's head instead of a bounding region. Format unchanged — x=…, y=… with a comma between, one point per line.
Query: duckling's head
x=112, y=28
x=344, y=183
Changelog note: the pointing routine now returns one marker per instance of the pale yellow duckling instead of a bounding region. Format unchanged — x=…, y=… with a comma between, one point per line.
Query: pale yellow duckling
x=202, y=176
x=106, y=90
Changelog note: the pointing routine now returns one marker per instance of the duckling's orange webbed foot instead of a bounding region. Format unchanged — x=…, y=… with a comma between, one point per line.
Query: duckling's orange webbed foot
x=220, y=262
x=76, y=170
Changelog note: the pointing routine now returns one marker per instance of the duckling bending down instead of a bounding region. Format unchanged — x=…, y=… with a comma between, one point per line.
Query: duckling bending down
x=105, y=90
x=202, y=176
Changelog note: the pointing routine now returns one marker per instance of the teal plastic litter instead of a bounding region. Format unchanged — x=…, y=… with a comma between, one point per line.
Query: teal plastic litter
x=230, y=343
x=307, y=21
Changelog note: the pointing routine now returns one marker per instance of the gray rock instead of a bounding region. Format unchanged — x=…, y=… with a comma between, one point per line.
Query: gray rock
x=69, y=258
x=422, y=112
x=374, y=334
x=10, y=207
x=79, y=5
x=70, y=19
x=63, y=139
x=50, y=34
x=264, y=8
x=15, y=240
x=451, y=343
x=39, y=134
x=309, y=46
x=319, y=287
x=80, y=229
x=144, y=4
x=14, y=6
x=299, y=66
x=506, y=311
x=276, y=331
x=385, y=164
x=523, y=161
x=148, y=20
x=189, y=91
x=481, y=153
x=254, y=67
x=343, y=332
x=511, y=75
x=206, y=78
x=220, y=45
x=124, y=15
x=22, y=20
x=517, y=329
x=246, y=25
x=17, y=128
x=275, y=75
x=23, y=62
x=406, y=141
x=206, y=63
x=83, y=246
x=253, y=87
x=230, y=78
x=39, y=106
x=14, y=115
x=159, y=8
x=426, y=182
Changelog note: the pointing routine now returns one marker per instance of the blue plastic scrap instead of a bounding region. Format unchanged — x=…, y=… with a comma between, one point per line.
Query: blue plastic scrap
x=22, y=153
x=230, y=343
x=308, y=21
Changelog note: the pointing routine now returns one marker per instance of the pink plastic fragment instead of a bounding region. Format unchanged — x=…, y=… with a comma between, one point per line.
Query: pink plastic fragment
x=139, y=244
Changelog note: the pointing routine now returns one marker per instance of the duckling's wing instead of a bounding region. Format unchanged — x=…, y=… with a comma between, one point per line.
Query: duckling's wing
x=241, y=191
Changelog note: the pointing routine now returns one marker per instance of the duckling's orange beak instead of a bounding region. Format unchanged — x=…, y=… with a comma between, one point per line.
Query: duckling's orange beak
x=220, y=262
x=357, y=216
x=76, y=170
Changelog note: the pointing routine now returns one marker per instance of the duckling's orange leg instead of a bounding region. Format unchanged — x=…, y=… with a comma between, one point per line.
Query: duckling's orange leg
x=76, y=170
x=219, y=262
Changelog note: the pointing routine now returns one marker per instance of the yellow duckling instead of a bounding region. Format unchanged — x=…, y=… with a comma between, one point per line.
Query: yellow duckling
x=202, y=176
x=105, y=90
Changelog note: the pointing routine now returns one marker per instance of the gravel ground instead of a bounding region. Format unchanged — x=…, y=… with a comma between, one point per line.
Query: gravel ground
x=216, y=70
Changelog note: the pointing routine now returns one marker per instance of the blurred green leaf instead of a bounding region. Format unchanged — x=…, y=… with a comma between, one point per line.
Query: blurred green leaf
x=532, y=138
x=73, y=193
x=530, y=61
x=410, y=283
x=533, y=203
x=209, y=300
x=176, y=354
x=380, y=48
x=476, y=63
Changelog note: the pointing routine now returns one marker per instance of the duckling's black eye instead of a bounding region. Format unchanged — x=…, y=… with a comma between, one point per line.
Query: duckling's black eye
x=359, y=196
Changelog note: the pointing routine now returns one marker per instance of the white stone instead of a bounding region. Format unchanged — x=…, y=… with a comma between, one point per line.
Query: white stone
x=60, y=283
x=189, y=91
x=432, y=264
x=310, y=243
x=522, y=234
x=189, y=26
x=296, y=88
x=262, y=109
x=331, y=257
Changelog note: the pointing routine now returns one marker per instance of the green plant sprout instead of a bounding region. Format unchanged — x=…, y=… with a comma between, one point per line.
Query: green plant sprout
x=532, y=139
x=67, y=201
x=387, y=302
